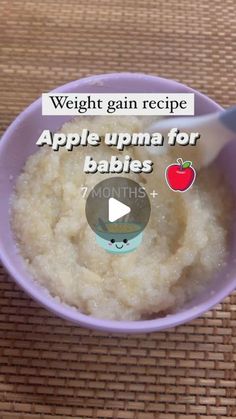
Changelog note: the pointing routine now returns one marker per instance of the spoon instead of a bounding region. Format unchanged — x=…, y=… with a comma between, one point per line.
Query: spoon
x=215, y=130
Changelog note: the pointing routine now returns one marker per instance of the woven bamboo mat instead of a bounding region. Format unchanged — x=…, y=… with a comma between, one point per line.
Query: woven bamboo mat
x=49, y=368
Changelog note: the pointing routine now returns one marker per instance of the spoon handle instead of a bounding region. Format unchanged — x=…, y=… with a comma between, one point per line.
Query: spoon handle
x=215, y=129
x=228, y=118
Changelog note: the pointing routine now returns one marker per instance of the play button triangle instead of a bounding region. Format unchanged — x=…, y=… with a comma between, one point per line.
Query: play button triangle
x=116, y=210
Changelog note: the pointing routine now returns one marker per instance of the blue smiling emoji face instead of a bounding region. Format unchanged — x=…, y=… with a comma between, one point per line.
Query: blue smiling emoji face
x=119, y=238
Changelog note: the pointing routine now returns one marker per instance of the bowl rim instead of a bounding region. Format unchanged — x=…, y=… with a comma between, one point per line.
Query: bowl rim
x=68, y=312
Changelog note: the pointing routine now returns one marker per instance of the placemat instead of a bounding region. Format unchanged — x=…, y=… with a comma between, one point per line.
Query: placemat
x=50, y=368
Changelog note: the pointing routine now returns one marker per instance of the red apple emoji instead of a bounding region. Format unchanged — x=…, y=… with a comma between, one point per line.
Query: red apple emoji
x=180, y=176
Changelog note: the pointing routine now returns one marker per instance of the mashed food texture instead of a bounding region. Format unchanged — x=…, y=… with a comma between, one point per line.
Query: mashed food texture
x=184, y=243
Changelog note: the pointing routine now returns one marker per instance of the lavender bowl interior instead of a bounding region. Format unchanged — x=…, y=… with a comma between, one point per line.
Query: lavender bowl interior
x=18, y=143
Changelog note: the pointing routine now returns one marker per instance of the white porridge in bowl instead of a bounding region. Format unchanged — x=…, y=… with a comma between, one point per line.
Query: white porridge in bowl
x=184, y=243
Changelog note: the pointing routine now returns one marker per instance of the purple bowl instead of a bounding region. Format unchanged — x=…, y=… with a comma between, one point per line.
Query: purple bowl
x=18, y=143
